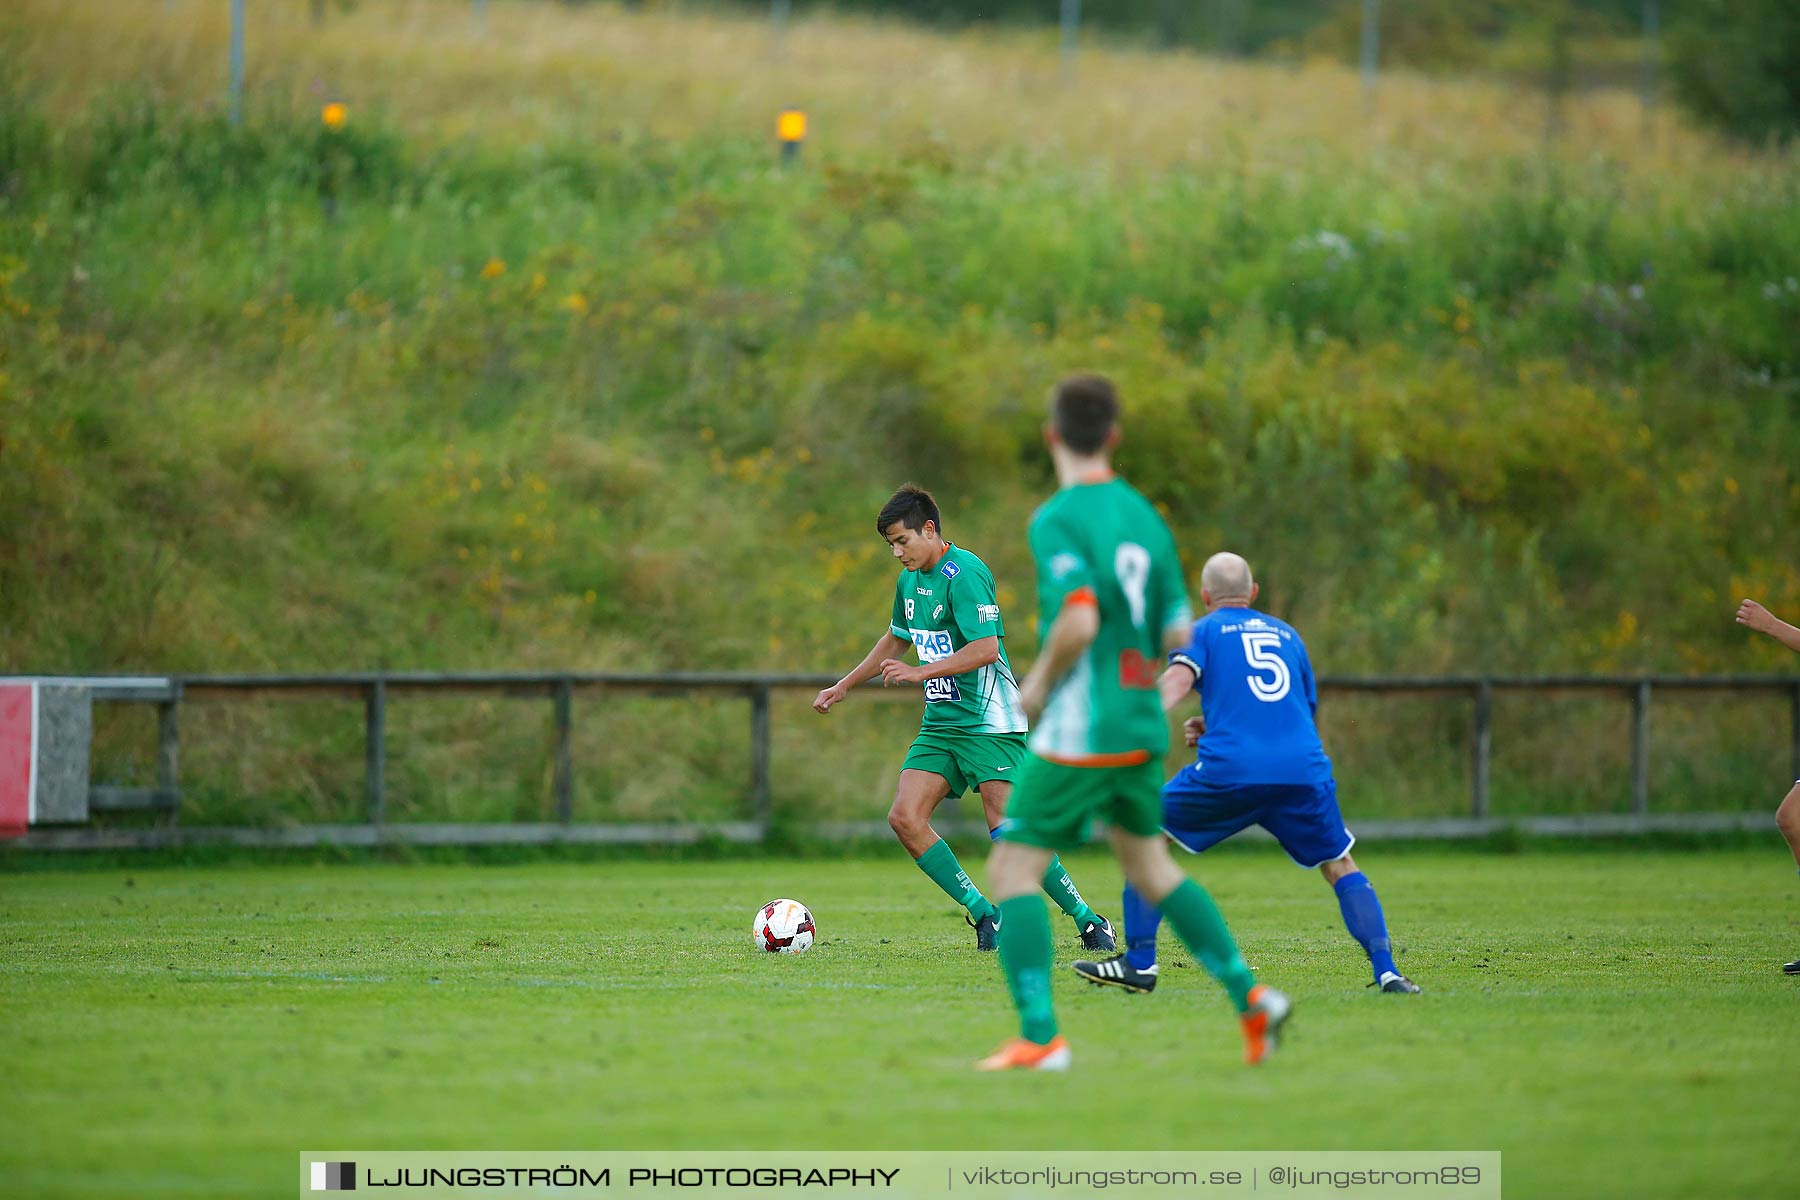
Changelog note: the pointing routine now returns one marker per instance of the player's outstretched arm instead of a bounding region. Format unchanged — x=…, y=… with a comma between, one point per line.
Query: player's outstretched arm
x=1757, y=617
x=886, y=647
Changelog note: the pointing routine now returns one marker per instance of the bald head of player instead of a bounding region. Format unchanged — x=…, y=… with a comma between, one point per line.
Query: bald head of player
x=1225, y=582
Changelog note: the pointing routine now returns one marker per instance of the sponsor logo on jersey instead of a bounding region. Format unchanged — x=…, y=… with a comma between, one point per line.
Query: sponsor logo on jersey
x=951, y=570
x=937, y=612
x=932, y=644
x=1064, y=564
x=987, y=612
x=1136, y=673
x=923, y=591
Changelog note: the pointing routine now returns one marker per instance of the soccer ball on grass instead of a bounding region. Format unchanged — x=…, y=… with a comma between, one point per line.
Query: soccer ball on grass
x=783, y=927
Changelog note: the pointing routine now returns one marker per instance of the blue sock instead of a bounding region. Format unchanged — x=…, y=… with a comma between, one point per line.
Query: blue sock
x=1141, y=920
x=1362, y=917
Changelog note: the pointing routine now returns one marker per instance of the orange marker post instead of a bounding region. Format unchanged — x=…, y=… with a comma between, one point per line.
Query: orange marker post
x=790, y=127
x=334, y=115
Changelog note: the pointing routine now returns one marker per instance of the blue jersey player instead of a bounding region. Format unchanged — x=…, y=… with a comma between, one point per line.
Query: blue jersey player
x=1260, y=763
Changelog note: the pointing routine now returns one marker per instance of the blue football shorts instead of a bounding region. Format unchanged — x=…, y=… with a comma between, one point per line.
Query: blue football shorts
x=1303, y=817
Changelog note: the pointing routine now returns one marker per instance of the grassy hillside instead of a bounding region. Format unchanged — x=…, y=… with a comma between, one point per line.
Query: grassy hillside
x=540, y=361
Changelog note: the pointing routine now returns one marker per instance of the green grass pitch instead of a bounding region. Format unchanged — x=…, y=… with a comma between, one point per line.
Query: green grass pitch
x=1613, y=1021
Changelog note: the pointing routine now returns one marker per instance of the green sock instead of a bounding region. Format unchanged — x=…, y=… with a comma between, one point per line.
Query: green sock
x=1060, y=888
x=1196, y=920
x=940, y=866
x=1026, y=957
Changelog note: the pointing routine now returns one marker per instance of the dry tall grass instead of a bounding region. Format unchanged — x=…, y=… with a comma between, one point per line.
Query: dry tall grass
x=543, y=70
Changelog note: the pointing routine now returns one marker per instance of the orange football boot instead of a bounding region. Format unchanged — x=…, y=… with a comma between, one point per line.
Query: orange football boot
x=1263, y=1020
x=1022, y=1055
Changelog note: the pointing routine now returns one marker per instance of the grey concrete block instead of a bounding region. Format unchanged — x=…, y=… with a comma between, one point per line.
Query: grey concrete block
x=65, y=733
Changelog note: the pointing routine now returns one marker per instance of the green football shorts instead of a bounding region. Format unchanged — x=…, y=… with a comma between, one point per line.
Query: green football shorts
x=1052, y=804
x=966, y=760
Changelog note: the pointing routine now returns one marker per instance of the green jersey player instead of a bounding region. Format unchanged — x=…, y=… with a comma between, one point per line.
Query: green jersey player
x=973, y=732
x=1112, y=599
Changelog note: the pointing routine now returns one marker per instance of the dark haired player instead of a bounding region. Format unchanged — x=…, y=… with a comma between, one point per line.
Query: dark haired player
x=973, y=731
x=1112, y=599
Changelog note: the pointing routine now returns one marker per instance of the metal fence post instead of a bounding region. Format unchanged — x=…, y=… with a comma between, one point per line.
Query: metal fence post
x=236, y=106
x=565, y=761
x=1481, y=749
x=1640, y=747
x=1071, y=29
x=1371, y=50
x=375, y=751
x=168, y=752
x=759, y=754
x=778, y=25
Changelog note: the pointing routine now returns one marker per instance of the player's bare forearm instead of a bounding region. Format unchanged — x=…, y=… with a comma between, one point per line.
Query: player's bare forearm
x=1174, y=685
x=868, y=668
x=1756, y=617
x=887, y=647
x=972, y=657
x=1787, y=635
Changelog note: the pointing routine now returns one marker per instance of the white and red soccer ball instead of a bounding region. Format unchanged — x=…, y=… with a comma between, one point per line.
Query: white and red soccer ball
x=783, y=927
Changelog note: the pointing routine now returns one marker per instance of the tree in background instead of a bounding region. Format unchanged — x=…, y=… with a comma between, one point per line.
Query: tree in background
x=1424, y=35
x=1736, y=63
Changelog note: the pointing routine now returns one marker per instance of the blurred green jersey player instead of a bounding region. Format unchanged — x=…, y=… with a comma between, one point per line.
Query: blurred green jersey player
x=1112, y=600
x=973, y=732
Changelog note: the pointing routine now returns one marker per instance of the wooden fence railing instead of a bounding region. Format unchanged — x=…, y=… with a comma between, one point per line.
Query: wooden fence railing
x=376, y=691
